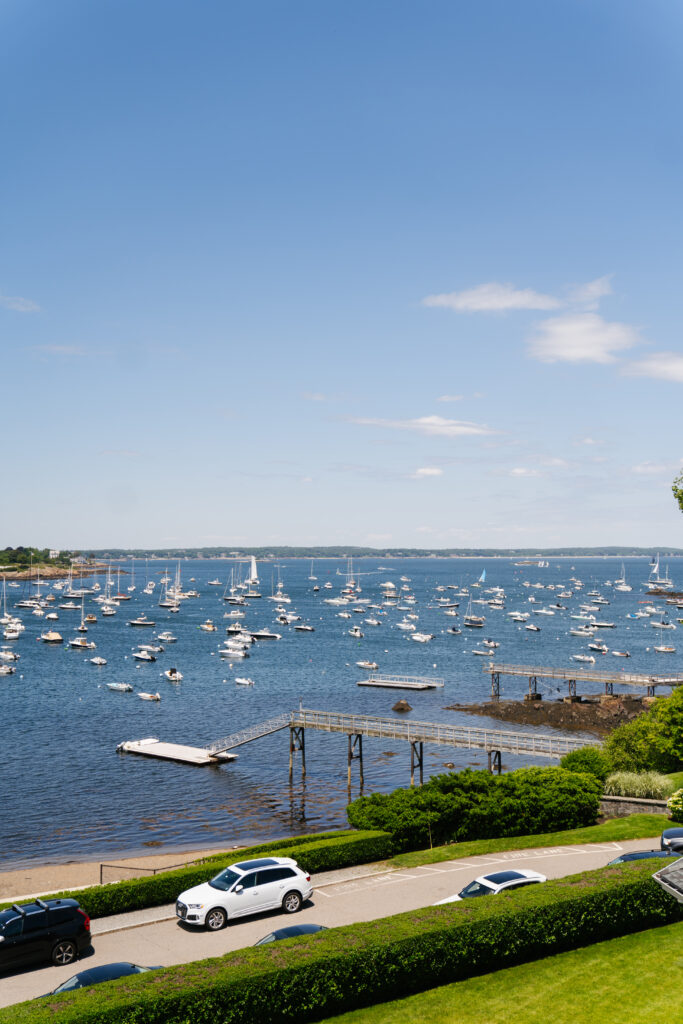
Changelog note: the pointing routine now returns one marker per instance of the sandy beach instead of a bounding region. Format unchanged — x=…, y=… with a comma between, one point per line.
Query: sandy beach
x=49, y=878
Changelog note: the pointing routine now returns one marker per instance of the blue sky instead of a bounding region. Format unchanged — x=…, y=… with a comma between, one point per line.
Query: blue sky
x=386, y=273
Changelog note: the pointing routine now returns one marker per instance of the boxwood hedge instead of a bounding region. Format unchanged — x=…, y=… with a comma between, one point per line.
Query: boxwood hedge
x=315, y=976
x=313, y=854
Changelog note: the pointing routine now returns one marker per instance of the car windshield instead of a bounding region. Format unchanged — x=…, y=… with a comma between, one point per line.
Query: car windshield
x=475, y=889
x=225, y=880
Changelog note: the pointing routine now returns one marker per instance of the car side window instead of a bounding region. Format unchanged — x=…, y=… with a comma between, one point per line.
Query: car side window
x=35, y=922
x=12, y=928
x=520, y=885
x=248, y=881
x=476, y=889
x=274, y=875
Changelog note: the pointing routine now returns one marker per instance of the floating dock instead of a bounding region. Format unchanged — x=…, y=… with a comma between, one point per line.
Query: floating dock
x=152, y=747
x=401, y=682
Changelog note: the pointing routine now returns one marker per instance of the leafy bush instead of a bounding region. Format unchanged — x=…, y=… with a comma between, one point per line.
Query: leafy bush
x=591, y=760
x=647, y=785
x=316, y=976
x=651, y=742
x=478, y=805
x=313, y=855
x=675, y=805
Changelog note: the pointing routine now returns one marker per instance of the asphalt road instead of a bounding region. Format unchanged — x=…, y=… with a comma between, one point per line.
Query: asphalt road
x=155, y=937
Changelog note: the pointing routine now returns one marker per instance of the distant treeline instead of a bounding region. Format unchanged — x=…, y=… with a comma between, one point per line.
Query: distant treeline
x=361, y=552
x=24, y=557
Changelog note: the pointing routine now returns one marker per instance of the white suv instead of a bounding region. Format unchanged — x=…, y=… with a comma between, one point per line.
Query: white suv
x=245, y=888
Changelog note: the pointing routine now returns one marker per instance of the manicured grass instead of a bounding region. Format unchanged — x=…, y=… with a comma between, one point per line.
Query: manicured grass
x=635, y=826
x=634, y=978
x=677, y=779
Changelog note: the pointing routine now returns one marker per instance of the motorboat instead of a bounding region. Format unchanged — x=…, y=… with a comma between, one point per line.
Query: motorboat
x=173, y=675
x=120, y=687
x=454, y=630
x=80, y=643
x=621, y=654
x=304, y=628
x=589, y=658
x=265, y=634
x=149, y=696
x=144, y=656
x=7, y=670
x=533, y=627
x=208, y=626
x=141, y=620
x=664, y=649
x=421, y=638
x=51, y=636
x=600, y=648
x=243, y=681
x=371, y=666
x=98, y=661
x=167, y=637
x=358, y=633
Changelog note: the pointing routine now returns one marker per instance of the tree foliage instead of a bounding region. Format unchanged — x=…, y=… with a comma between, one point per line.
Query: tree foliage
x=588, y=759
x=677, y=488
x=651, y=742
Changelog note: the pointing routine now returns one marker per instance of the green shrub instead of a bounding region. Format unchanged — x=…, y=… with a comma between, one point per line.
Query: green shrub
x=651, y=742
x=647, y=785
x=315, y=976
x=314, y=855
x=675, y=805
x=591, y=760
x=478, y=805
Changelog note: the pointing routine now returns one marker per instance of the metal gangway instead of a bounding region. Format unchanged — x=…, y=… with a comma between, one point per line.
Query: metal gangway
x=402, y=682
x=494, y=741
x=574, y=675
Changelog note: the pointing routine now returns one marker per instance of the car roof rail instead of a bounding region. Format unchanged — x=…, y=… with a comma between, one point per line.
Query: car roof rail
x=39, y=903
x=18, y=910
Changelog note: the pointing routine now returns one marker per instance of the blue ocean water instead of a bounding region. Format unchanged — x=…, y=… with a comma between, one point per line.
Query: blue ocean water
x=68, y=795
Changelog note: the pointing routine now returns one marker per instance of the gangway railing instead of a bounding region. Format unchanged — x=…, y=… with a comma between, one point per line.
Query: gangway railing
x=573, y=675
x=253, y=732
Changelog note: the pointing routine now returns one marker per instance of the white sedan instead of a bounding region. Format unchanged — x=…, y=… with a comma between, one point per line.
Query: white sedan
x=498, y=881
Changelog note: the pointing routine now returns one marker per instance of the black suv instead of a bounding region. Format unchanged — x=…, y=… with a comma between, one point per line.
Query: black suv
x=57, y=930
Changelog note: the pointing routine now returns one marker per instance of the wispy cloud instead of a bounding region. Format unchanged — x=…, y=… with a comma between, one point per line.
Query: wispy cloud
x=450, y=398
x=492, y=297
x=655, y=468
x=425, y=472
x=314, y=396
x=588, y=441
x=524, y=471
x=580, y=338
x=589, y=294
x=434, y=426
x=19, y=305
x=61, y=350
x=661, y=365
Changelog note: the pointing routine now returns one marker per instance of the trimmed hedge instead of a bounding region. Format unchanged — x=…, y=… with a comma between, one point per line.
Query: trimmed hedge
x=313, y=854
x=464, y=805
x=315, y=976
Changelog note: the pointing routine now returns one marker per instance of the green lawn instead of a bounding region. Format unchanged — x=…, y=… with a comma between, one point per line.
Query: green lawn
x=677, y=779
x=632, y=979
x=635, y=826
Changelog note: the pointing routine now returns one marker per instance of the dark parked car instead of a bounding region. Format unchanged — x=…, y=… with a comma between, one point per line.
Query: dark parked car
x=97, y=974
x=288, y=933
x=671, y=836
x=57, y=930
x=643, y=855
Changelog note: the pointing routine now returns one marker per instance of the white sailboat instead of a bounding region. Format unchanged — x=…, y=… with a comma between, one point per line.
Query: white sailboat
x=312, y=577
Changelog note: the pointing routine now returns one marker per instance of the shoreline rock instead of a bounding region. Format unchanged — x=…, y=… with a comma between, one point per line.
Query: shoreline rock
x=593, y=713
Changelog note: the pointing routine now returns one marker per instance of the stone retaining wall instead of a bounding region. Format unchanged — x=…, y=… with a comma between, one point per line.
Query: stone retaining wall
x=620, y=806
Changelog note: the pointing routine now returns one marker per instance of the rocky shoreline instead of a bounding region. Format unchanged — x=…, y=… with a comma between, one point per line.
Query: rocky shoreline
x=593, y=713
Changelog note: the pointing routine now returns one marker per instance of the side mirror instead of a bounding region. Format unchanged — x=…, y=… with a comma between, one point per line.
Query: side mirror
x=238, y=888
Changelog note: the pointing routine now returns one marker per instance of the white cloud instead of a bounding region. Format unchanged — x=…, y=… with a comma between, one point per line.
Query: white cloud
x=554, y=462
x=661, y=365
x=450, y=398
x=524, y=471
x=652, y=469
x=493, y=297
x=434, y=426
x=580, y=338
x=18, y=304
x=314, y=396
x=588, y=441
x=589, y=294
x=425, y=472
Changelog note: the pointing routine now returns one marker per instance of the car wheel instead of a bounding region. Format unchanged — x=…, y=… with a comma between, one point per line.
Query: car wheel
x=216, y=919
x=64, y=953
x=292, y=902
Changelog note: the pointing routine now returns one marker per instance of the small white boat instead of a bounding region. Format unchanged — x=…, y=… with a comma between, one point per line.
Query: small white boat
x=120, y=687
x=141, y=620
x=80, y=643
x=208, y=626
x=144, y=656
x=243, y=681
x=621, y=654
x=214, y=583
x=664, y=649
x=167, y=637
x=51, y=636
x=490, y=643
x=265, y=634
x=533, y=627
x=304, y=628
x=482, y=654
x=454, y=630
x=173, y=675
x=6, y=670
x=356, y=632
x=583, y=657
x=98, y=661
x=149, y=696
x=421, y=638
x=371, y=666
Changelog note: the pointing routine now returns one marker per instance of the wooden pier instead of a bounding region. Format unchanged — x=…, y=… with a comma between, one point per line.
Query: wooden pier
x=152, y=747
x=401, y=682
x=573, y=675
